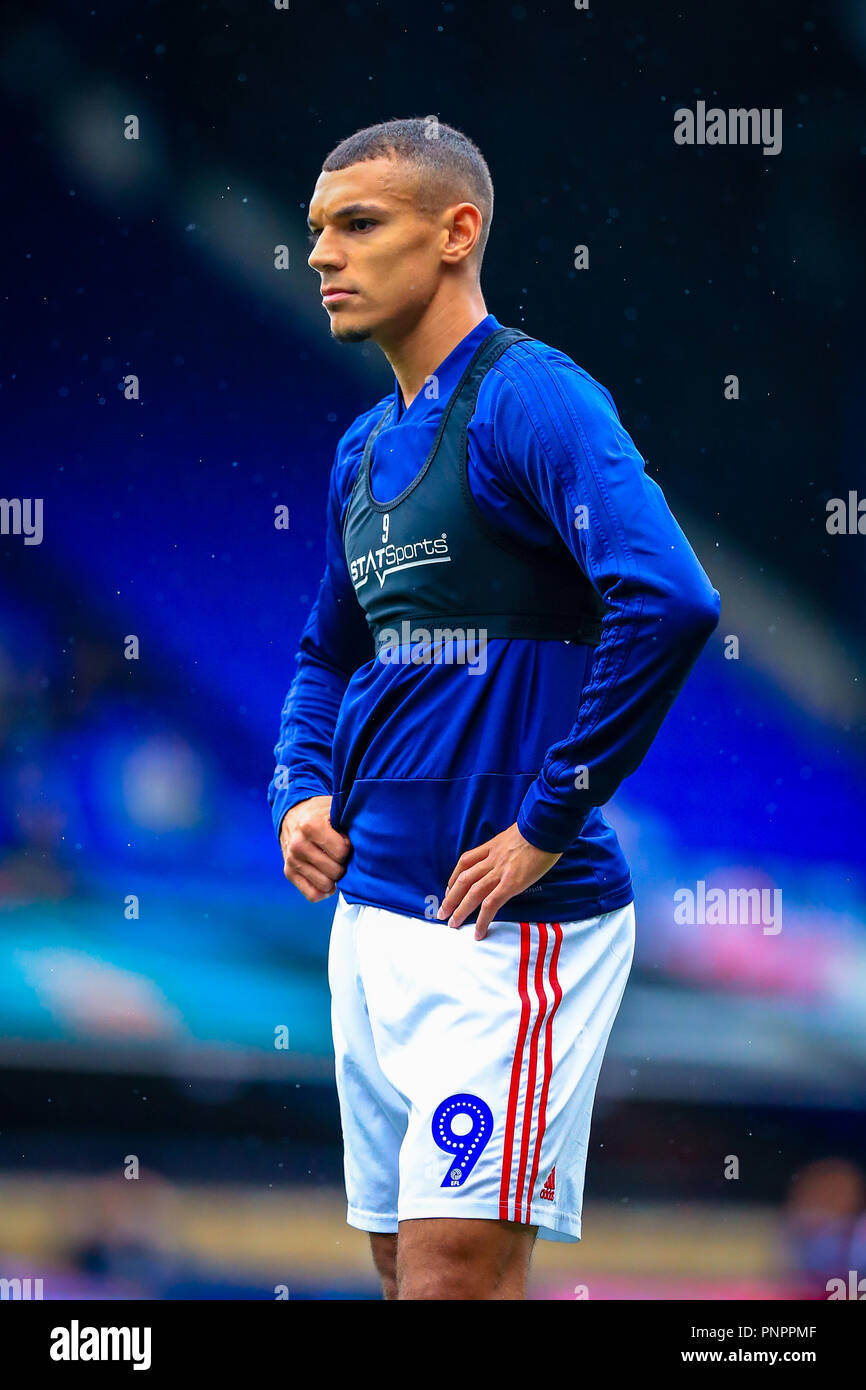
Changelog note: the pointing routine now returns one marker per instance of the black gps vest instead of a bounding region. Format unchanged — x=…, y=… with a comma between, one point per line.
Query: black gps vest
x=433, y=558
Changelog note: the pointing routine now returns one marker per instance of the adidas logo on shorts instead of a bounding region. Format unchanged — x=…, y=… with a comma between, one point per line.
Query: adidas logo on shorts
x=548, y=1192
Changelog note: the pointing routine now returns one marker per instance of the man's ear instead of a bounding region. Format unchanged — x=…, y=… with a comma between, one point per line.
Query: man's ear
x=464, y=229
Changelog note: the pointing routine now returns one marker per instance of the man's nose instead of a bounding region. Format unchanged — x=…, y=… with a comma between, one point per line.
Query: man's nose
x=325, y=254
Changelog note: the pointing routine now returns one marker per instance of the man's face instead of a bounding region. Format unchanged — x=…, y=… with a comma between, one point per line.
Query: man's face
x=371, y=241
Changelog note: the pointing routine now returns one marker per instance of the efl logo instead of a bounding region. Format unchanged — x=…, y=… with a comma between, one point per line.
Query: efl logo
x=735, y=127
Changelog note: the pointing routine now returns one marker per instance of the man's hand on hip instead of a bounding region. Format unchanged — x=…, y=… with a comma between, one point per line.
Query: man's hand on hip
x=490, y=874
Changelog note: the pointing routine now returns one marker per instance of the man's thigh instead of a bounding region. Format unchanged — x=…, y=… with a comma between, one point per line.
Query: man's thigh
x=446, y=1258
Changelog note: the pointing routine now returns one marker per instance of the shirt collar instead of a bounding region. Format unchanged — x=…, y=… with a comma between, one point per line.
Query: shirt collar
x=447, y=375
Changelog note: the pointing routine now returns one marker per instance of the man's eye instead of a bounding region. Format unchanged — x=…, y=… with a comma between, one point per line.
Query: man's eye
x=362, y=222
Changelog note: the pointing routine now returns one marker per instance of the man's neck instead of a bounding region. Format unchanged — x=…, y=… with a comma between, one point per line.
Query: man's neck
x=415, y=358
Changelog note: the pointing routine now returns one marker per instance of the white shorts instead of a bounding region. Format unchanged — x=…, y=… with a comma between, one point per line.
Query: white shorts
x=466, y=1070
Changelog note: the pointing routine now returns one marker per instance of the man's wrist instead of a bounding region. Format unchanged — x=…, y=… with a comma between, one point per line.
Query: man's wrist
x=284, y=802
x=550, y=828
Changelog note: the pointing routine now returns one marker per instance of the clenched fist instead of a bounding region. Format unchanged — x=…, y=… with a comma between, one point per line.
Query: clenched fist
x=314, y=853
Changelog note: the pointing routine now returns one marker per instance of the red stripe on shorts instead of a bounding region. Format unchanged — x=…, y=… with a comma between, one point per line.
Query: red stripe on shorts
x=529, y=1100
x=548, y=1060
x=516, y=1068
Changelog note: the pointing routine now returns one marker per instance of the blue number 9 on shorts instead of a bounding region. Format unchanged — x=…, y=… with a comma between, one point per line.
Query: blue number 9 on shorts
x=469, y=1140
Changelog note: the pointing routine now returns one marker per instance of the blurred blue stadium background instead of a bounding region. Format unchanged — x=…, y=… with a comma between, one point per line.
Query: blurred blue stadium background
x=153, y=1034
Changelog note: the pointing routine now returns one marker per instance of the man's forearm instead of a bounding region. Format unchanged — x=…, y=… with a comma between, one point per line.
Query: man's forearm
x=303, y=750
x=623, y=707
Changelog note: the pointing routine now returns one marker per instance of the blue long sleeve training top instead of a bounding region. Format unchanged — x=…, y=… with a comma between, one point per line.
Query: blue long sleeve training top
x=421, y=766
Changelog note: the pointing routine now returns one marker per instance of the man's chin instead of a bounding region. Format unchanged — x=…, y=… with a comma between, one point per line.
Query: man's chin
x=343, y=333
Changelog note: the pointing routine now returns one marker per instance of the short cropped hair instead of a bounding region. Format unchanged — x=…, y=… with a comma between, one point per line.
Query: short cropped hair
x=449, y=167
